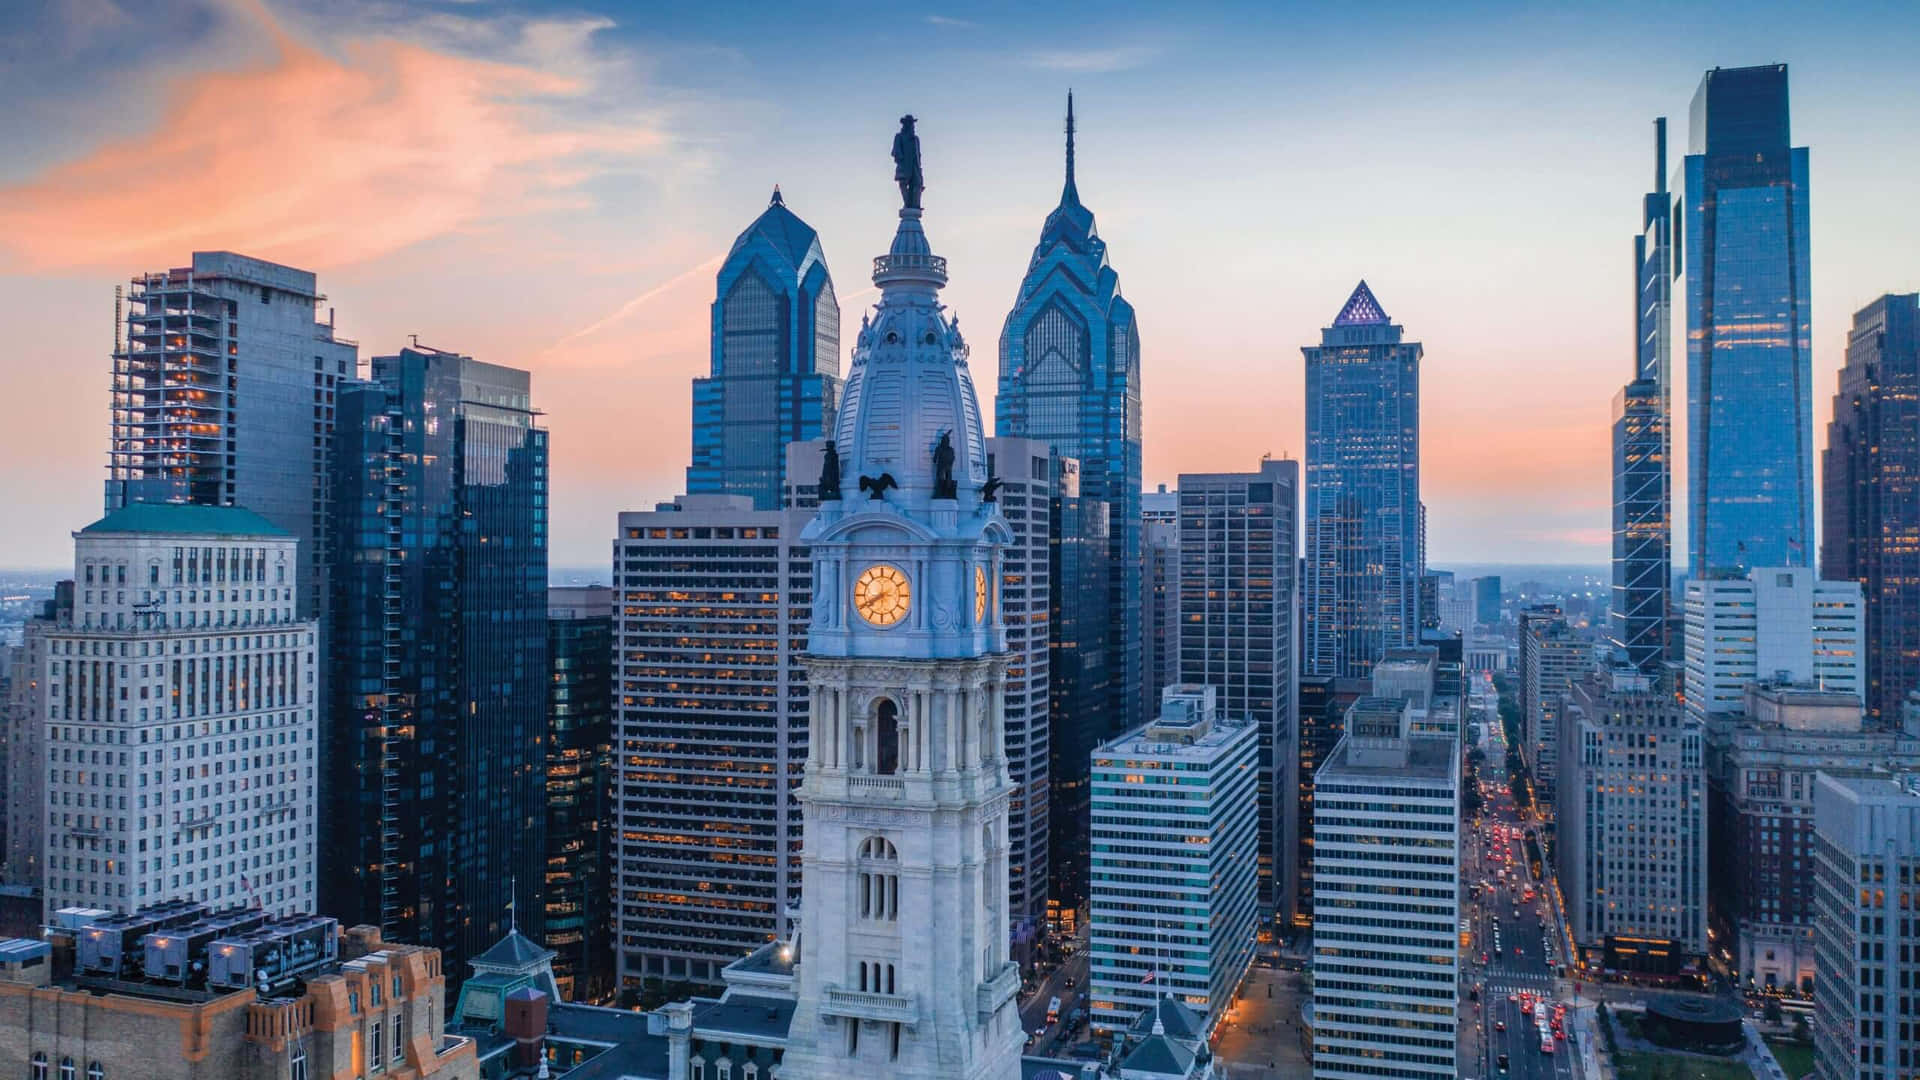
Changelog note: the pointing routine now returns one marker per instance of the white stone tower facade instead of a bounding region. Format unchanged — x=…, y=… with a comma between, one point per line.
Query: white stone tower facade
x=903, y=966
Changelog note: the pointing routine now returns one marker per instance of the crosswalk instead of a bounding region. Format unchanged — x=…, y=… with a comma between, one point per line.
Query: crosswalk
x=1520, y=980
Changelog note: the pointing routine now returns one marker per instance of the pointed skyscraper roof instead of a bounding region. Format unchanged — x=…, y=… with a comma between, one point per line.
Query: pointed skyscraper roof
x=1362, y=309
x=1070, y=194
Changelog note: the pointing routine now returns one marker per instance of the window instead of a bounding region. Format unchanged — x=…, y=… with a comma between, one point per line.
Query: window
x=96, y=1071
x=39, y=1071
x=374, y=1056
x=298, y=1063
x=887, y=750
x=67, y=1071
x=699, y=1069
x=399, y=1035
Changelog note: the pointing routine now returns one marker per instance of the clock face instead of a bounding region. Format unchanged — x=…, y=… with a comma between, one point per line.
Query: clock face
x=979, y=594
x=882, y=595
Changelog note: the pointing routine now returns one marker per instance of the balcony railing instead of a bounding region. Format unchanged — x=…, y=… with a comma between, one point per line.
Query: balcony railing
x=891, y=786
x=997, y=990
x=866, y=1005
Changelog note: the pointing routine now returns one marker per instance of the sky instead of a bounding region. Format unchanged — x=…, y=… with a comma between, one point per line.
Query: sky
x=552, y=186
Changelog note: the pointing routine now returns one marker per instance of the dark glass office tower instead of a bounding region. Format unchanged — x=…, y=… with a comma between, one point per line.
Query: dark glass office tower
x=1642, y=500
x=1363, y=491
x=1080, y=675
x=1070, y=377
x=775, y=375
x=1743, y=250
x=1238, y=573
x=1872, y=505
x=577, y=894
x=434, y=769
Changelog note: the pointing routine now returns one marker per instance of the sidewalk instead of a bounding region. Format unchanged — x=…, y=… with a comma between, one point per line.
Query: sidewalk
x=1758, y=1057
x=1586, y=1032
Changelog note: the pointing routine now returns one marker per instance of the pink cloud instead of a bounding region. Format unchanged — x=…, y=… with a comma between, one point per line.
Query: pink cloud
x=320, y=158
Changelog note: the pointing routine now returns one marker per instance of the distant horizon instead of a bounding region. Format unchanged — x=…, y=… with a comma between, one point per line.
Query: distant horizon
x=1485, y=178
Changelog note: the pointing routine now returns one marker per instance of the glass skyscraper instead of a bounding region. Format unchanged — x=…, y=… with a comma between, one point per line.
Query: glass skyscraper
x=775, y=377
x=1743, y=249
x=1363, y=491
x=1070, y=377
x=1872, y=505
x=434, y=760
x=1080, y=678
x=576, y=900
x=1642, y=500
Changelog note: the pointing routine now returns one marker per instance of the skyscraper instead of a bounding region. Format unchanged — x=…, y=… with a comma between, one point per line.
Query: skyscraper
x=1080, y=669
x=575, y=916
x=1238, y=566
x=1363, y=490
x=1386, y=906
x=775, y=375
x=711, y=731
x=1070, y=377
x=1642, y=483
x=1159, y=595
x=1866, y=856
x=903, y=968
x=1175, y=906
x=1872, y=489
x=224, y=395
x=1749, y=328
x=1553, y=656
x=1632, y=824
x=434, y=761
x=1780, y=625
x=185, y=648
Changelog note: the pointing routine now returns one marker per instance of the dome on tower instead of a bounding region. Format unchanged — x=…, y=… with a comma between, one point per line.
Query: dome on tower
x=909, y=385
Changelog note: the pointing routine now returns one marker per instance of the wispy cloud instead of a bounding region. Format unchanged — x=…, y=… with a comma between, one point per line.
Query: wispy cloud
x=948, y=20
x=1118, y=58
x=334, y=155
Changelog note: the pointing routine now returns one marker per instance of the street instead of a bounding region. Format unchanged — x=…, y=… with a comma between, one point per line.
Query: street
x=1514, y=924
x=1033, y=1008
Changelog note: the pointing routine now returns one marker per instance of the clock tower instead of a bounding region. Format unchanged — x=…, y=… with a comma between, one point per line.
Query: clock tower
x=903, y=969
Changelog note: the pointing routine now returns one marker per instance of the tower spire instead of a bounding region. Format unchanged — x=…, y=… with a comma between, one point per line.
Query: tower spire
x=1070, y=193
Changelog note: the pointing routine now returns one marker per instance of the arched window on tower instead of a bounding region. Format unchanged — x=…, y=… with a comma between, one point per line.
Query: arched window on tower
x=879, y=880
x=886, y=758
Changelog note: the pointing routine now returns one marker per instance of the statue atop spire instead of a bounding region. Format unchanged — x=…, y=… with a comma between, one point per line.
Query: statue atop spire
x=906, y=164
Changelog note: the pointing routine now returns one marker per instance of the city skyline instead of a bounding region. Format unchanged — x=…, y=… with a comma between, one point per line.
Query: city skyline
x=537, y=251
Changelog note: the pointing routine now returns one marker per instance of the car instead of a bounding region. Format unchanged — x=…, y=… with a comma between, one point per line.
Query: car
x=1069, y=982
x=1518, y=951
x=1483, y=958
x=1513, y=997
x=1499, y=1025
x=1502, y=1062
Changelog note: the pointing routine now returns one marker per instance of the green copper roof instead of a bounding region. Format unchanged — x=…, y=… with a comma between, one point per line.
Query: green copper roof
x=185, y=519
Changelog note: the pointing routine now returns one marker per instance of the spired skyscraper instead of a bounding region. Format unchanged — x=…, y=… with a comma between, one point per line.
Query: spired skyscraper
x=775, y=377
x=1070, y=377
x=903, y=966
x=1743, y=250
x=1363, y=491
x=1642, y=434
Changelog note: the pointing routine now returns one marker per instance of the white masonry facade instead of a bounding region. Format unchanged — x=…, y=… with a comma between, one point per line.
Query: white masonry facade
x=180, y=717
x=903, y=966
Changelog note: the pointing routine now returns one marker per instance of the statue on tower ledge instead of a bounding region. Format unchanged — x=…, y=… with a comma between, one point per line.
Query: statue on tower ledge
x=906, y=164
x=944, y=486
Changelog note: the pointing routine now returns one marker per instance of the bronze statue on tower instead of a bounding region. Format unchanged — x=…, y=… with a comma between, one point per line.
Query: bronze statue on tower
x=906, y=164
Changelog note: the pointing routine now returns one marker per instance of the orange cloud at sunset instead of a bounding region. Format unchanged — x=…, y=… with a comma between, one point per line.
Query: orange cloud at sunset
x=314, y=158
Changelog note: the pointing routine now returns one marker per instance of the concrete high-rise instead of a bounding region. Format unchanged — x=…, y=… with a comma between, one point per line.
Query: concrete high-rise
x=1761, y=766
x=1776, y=625
x=1386, y=905
x=1070, y=377
x=1175, y=903
x=435, y=756
x=1159, y=595
x=1632, y=824
x=575, y=917
x=224, y=395
x=1362, y=546
x=1642, y=436
x=775, y=366
x=1553, y=656
x=1872, y=493
x=180, y=732
x=1238, y=597
x=24, y=711
x=1744, y=254
x=1866, y=860
x=711, y=604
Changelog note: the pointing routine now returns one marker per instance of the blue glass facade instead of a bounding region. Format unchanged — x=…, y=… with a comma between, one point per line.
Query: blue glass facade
x=1070, y=377
x=1080, y=681
x=1363, y=548
x=577, y=900
x=775, y=375
x=1642, y=485
x=1749, y=328
x=435, y=768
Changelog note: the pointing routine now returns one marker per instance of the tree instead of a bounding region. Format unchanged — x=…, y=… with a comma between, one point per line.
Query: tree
x=1801, y=1031
x=1771, y=1010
